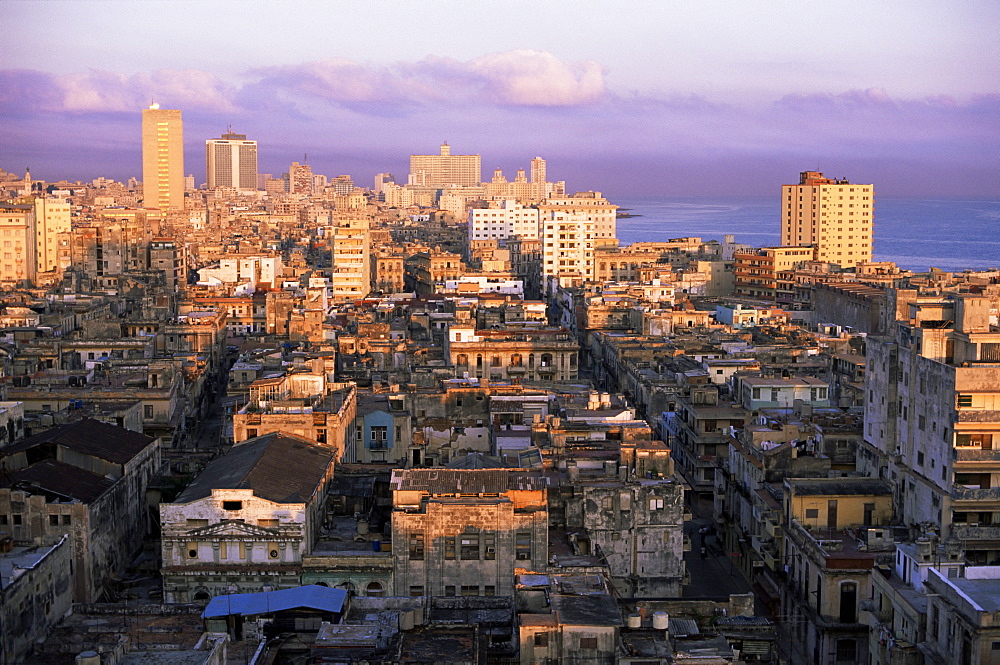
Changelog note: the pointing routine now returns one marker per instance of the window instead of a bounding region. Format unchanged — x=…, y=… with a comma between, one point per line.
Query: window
x=470, y=589
x=251, y=433
x=53, y=520
x=416, y=591
x=541, y=639
x=848, y=606
x=812, y=513
x=490, y=543
x=656, y=503
x=147, y=411
x=449, y=548
x=232, y=505
x=416, y=548
x=470, y=545
x=380, y=437
x=522, y=546
x=965, y=400
x=847, y=651
x=374, y=590
x=489, y=590
x=449, y=590
x=588, y=642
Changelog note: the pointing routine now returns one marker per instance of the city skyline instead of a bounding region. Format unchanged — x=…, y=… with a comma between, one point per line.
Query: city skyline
x=685, y=99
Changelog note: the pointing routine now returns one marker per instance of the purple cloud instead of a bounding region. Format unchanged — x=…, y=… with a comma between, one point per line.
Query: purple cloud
x=512, y=78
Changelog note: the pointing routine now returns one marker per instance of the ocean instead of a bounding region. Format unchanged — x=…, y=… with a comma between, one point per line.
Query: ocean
x=950, y=234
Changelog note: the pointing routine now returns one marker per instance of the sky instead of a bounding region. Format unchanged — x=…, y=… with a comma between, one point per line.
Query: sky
x=671, y=97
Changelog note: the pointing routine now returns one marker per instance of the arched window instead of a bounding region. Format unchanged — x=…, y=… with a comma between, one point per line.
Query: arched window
x=516, y=360
x=495, y=362
x=546, y=360
x=202, y=595
x=479, y=361
x=531, y=360
x=374, y=589
x=462, y=359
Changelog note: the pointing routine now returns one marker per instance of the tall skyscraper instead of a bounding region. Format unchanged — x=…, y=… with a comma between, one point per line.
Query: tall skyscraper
x=231, y=161
x=162, y=158
x=445, y=169
x=833, y=215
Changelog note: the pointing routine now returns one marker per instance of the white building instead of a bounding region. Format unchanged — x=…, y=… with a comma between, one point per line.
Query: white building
x=502, y=220
x=246, y=521
x=231, y=161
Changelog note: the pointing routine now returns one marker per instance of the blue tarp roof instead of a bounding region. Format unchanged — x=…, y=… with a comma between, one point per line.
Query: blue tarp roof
x=312, y=596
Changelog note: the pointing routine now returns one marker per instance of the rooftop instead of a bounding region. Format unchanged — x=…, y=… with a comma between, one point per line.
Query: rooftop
x=263, y=464
x=90, y=437
x=311, y=596
x=467, y=481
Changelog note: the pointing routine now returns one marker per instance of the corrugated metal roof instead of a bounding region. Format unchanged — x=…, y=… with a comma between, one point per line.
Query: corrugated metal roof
x=312, y=596
x=91, y=437
x=279, y=467
x=466, y=481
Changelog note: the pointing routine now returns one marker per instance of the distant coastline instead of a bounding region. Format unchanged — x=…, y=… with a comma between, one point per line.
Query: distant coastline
x=916, y=233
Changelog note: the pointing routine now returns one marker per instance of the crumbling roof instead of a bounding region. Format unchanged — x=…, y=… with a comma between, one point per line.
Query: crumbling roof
x=62, y=479
x=840, y=486
x=477, y=461
x=90, y=437
x=466, y=481
x=279, y=467
x=587, y=610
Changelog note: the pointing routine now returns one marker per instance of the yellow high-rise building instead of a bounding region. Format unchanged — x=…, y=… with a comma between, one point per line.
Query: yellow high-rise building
x=162, y=158
x=834, y=216
x=351, y=254
x=52, y=221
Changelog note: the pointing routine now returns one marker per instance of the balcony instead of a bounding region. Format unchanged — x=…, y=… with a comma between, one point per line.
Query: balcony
x=547, y=369
x=973, y=416
x=516, y=369
x=960, y=493
x=976, y=455
x=975, y=532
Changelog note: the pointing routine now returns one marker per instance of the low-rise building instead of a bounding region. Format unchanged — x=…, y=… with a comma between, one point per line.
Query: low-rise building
x=835, y=534
x=462, y=531
x=247, y=520
x=86, y=479
x=36, y=591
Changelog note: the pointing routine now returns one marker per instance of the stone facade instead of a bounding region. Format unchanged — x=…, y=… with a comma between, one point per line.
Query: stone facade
x=462, y=532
